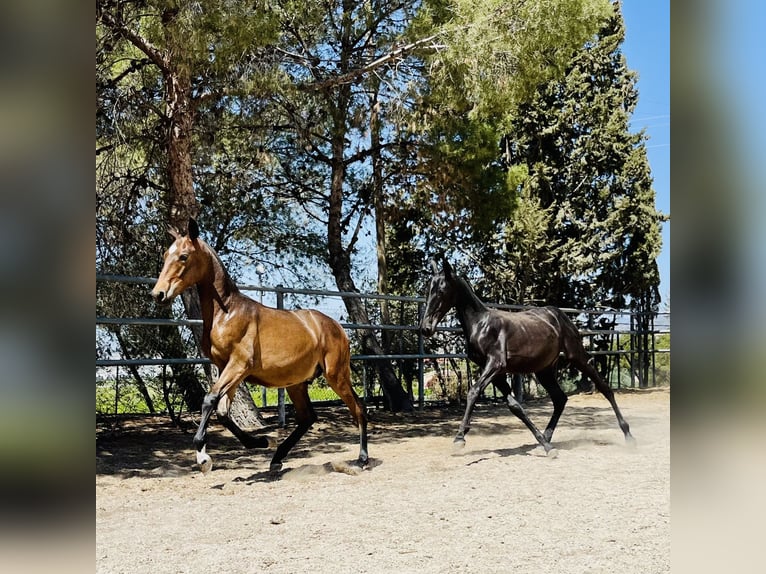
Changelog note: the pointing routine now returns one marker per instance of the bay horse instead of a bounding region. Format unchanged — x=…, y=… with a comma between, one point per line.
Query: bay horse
x=502, y=342
x=251, y=342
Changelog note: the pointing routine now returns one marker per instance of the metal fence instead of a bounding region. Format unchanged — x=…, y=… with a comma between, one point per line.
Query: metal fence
x=430, y=370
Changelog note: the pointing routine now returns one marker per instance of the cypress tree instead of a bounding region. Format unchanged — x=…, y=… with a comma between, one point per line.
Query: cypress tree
x=585, y=231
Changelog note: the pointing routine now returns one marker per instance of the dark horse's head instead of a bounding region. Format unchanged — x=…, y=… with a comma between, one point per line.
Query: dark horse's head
x=441, y=297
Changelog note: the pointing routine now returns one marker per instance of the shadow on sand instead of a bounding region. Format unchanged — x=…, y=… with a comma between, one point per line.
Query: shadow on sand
x=150, y=446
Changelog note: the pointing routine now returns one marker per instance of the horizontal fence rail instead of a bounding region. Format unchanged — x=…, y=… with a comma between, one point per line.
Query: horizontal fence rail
x=620, y=332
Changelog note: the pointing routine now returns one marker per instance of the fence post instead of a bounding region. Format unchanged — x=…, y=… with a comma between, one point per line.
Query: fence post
x=421, y=363
x=654, y=351
x=117, y=390
x=619, y=362
x=281, y=391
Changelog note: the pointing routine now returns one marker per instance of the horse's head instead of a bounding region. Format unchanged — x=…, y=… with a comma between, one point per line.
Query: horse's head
x=441, y=297
x=183, y=265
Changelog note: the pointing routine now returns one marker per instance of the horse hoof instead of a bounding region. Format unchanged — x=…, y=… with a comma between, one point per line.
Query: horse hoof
x=275, y=468
x=458, y=443
x=552, y=453
x=204, y=461
x=629, y=440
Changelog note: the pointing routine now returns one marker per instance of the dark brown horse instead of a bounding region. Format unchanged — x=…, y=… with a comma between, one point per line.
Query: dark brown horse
x=501, y=343
x=248, y=341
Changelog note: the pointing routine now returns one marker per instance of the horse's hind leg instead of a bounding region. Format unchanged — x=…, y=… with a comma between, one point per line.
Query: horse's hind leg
x=305, y=416
x=547, y=378
x=515, y=407
x=605, y=390
x=339, y=378
x=247, y=440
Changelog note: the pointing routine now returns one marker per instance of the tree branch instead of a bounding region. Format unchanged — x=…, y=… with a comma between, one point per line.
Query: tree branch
x=395, y=54
x=367, y=152
x=152, y=52
x=355, y=236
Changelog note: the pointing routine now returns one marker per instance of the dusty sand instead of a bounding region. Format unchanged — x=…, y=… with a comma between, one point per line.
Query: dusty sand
x=496, y=506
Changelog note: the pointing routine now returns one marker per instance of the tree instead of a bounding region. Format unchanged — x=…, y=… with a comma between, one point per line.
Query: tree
x=159, y=64
x=586, y=231
x=358, y=69
x=544, y=188
x=491, y=58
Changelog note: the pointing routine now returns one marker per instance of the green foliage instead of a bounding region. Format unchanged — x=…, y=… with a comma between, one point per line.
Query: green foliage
x=485, y=59
x=467, y=177
x=588, y=201
x=495, y=52
x=124, y=398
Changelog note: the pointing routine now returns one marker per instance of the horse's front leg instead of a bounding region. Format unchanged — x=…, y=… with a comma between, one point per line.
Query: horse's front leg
x=227, y=382
x=209, y=404
x=473, y=394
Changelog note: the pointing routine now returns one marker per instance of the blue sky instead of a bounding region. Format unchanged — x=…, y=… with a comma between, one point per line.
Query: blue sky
x=647, y=50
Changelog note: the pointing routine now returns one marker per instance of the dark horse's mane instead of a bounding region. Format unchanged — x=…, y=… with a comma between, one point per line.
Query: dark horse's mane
x=469, y=293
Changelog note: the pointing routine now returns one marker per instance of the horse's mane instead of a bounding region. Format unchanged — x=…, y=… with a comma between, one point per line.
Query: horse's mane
x=228, y=282
x=471, y=296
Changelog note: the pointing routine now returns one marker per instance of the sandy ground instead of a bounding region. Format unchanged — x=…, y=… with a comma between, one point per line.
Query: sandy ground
x=496, y=506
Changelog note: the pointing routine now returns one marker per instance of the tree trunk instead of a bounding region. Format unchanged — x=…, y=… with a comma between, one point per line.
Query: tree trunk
x=181, y=205
x=340, y=257
x=134, y=371
x=340, y=263
x=393, y=392
x=380, y=216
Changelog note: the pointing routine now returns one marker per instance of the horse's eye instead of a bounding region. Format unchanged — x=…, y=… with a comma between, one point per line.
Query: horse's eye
x=183, y=257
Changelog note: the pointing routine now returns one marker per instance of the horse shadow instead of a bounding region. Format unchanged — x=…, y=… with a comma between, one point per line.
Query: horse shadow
x=536, y=450
x=151, y=447
x=309, y=471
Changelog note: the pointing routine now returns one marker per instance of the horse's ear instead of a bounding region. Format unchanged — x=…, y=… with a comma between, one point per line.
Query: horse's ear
x=434, y=266
x=193, y=229
x=447, y=268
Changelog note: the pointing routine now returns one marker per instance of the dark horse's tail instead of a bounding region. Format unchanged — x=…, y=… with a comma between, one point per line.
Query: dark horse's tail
x=574, y=351
x=571, y=340
x=572, y=346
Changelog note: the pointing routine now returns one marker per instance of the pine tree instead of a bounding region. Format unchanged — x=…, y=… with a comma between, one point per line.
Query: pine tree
x=160, y=66
x=586, y=231
x=490, y=56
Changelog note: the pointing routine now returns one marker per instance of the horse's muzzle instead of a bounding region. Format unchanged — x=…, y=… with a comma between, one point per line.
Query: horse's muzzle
x=160, y=296
x=426, y=331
